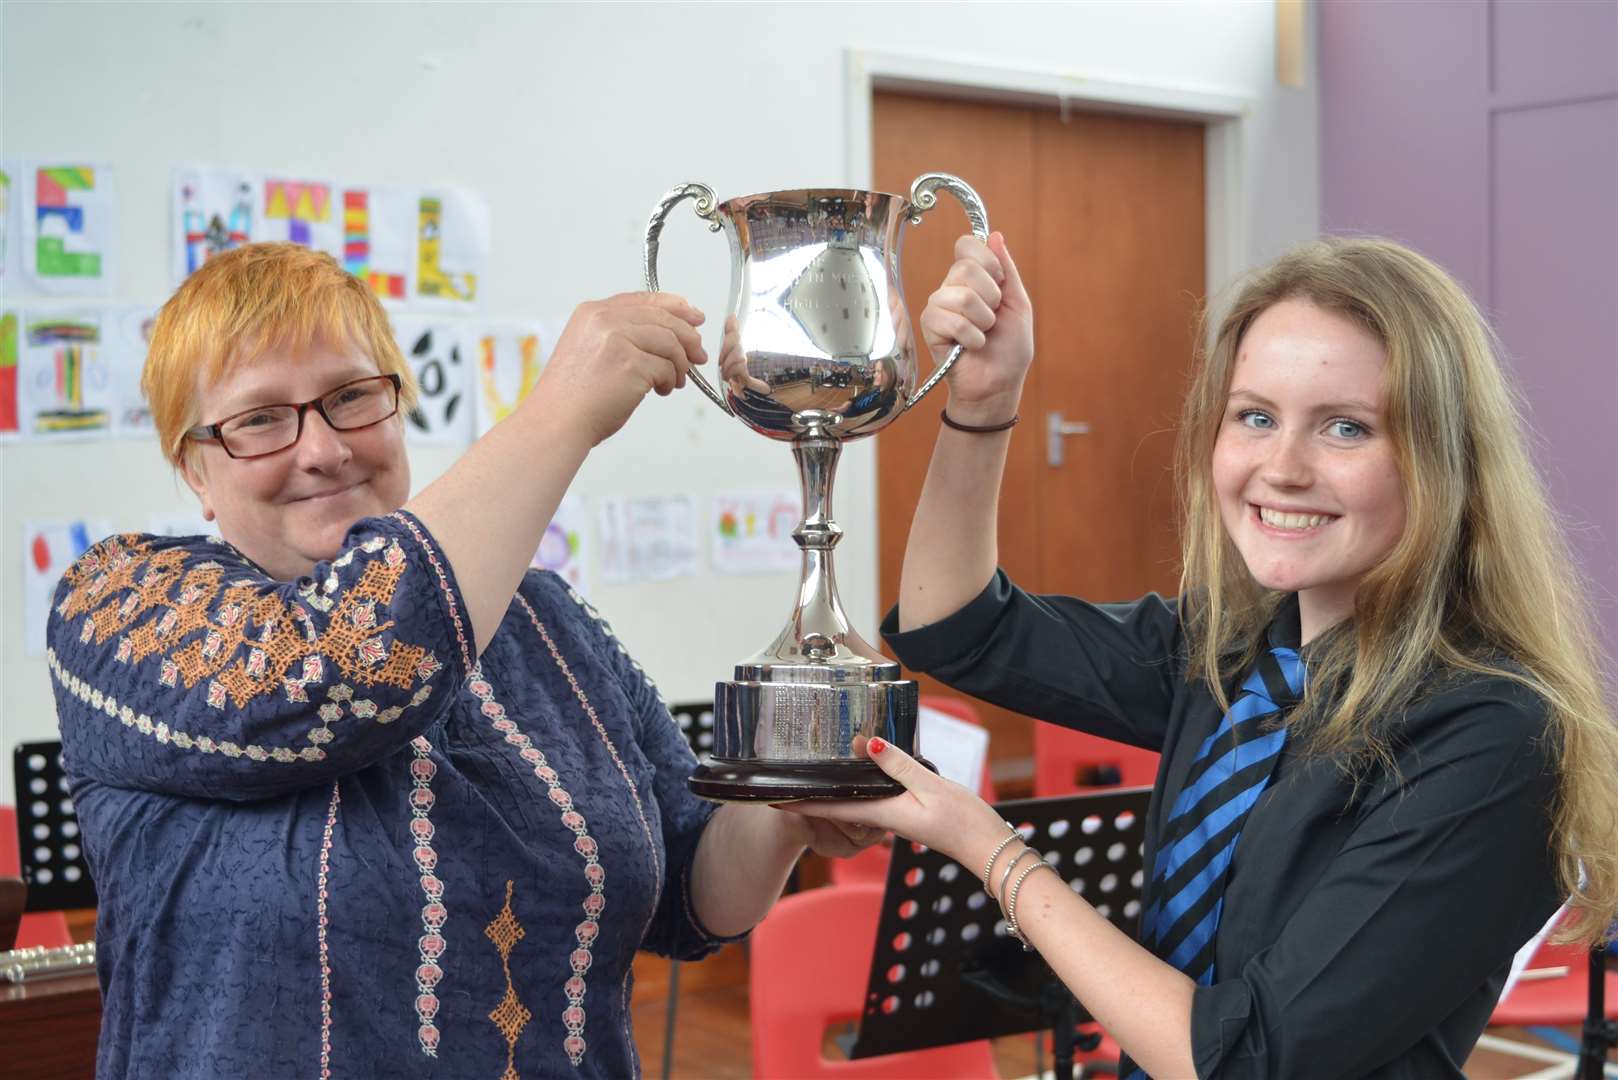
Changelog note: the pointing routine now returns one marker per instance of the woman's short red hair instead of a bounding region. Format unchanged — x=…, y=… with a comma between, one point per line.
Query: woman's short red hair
x=244, y=303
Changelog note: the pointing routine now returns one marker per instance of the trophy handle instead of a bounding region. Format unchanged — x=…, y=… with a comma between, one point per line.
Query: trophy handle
x=705, y=208
x=923, y=197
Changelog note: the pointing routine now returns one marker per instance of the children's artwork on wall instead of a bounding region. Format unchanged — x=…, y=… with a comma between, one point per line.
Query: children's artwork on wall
x=379, y=239
x=443, y=365
x=126, y=331
x=214, y=210
x=10, y=220
x=65, y=386
x=509, y=360
x=68, y=228
x=561, y=550
x=299, y=211
x=10, y=334
x=647, y=539
x=49, y=548
x=452, y=245
x=751, y=531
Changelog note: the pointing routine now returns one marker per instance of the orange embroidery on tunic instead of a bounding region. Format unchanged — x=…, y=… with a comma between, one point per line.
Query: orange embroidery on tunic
x=510, y=1016
x=145, y=593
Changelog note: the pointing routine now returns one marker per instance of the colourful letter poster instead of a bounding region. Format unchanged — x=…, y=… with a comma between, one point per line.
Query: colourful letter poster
x=10, y=331
x=561, y=549
x=10, y=219
x=214, y=211
x=379, y=239
x=300, y=211
x=65, y=386
x=445, y=383
x=509, y=358
x=452, y=245
x=68, y=228
x=752, y=531
x=49, y=548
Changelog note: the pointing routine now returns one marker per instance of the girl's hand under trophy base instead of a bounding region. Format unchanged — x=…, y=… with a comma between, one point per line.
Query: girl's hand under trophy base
x=933, y=810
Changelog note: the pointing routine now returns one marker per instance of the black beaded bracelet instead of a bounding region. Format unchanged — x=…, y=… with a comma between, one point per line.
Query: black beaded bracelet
x=973, y=429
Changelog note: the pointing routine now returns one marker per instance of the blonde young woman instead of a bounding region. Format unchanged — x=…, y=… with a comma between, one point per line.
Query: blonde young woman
x=362, y=794
x=1386, y=752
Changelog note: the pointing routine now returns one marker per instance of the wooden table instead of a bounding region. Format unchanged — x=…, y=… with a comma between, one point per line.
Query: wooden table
x=49, y=1027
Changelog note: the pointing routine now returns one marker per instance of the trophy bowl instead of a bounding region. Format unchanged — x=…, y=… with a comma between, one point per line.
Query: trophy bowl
x=821, y=352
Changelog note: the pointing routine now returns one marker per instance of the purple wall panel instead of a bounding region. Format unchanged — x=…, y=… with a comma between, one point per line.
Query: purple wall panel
x=1549, y=49
x=1401, y=136
x=1486, y=135
x=1555, y=275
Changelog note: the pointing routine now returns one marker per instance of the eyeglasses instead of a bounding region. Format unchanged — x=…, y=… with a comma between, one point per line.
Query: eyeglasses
x=270, y=429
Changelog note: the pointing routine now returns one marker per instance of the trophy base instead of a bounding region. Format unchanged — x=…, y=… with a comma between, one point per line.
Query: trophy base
x=782, y=781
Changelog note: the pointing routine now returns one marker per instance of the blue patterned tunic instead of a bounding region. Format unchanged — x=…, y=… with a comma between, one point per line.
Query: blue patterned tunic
x=331, y=841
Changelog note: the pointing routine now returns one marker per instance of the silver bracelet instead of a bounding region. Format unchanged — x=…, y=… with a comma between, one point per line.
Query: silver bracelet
x=1012, y=926
x=995, y=854
x=1010, y=866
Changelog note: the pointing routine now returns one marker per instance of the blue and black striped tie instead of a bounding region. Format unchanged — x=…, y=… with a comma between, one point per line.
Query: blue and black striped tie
x=1229, y=773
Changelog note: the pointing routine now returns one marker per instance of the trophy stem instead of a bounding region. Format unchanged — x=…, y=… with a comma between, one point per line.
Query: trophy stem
x=819, y=630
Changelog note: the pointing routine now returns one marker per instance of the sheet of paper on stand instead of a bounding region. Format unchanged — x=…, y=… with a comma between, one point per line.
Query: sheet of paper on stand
x=956, y=747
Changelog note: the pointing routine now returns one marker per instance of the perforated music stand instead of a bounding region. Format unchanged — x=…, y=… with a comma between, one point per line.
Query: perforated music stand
x=695, y=719
x=946, y=971
x=49, y=847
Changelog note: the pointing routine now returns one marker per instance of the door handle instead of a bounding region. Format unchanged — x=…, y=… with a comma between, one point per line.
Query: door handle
x=1057, y=429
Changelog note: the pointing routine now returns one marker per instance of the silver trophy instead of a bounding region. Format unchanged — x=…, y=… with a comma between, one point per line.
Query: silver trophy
x=824, y=353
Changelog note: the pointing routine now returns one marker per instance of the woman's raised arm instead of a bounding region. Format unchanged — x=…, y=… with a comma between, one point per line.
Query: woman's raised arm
x=490, y=509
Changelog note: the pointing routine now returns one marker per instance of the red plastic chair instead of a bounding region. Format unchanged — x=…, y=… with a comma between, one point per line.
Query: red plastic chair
x=1553, y=1000
x=1062, y=758
x=809, y=960
x=871, y=865
x=42, y=928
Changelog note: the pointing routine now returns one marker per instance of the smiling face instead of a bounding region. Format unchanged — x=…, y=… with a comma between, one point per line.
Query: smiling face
x=1304, y=470
x=290, y=509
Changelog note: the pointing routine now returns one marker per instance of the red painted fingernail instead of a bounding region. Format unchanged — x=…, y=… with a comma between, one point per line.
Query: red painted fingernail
x=877, y=746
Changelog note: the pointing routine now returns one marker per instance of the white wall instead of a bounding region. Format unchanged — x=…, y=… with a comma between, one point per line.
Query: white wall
x=572, y=119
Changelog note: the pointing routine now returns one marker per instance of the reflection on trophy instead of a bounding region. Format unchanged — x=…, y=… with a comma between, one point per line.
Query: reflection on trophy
x=823, y=353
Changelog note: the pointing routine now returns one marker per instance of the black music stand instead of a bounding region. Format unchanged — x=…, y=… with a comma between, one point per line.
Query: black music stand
x=48, y=843
x=946, y=971
x=695, y=719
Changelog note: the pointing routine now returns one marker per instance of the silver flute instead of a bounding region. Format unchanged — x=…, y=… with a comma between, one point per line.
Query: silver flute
x=27, y=965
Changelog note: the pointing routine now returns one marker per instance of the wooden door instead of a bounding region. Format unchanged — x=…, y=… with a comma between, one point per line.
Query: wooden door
x=1105, y=216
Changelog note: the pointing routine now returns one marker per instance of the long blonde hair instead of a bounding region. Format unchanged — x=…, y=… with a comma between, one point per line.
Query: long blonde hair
x=1481, y=579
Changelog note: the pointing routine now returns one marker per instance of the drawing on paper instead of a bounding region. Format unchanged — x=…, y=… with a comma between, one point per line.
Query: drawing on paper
x=441, y=412
x=209, y=230
x=49, y=548
x=62, y=248
x=358, y=248
x=431, y=277
x=302, y=206
x=5, y=217
x=126, y=334
x=66, y=381
x=8, y=373
x=561, y=549
x=504, y=370
x=753, y=531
